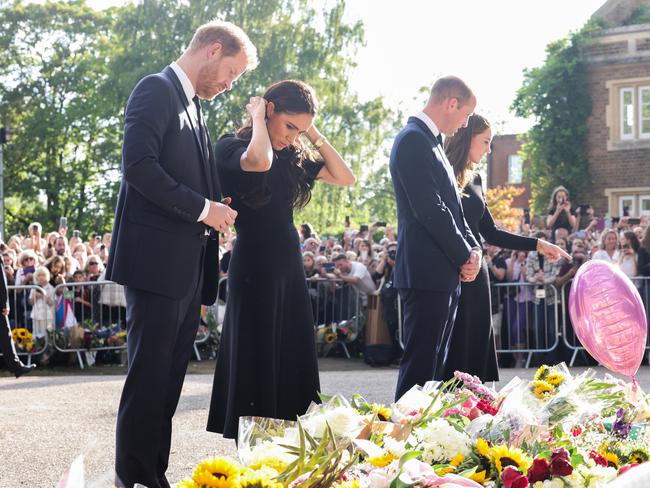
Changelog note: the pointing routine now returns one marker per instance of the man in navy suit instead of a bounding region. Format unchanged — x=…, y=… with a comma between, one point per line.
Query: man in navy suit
x=163, y=238
x=435, y=248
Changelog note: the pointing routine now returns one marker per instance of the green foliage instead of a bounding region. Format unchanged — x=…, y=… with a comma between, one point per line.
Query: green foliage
x=556, y=95
x=66, y=72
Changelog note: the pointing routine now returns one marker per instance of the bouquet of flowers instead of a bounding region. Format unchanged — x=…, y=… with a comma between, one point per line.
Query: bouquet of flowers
x=550, y=432
x=23, y=339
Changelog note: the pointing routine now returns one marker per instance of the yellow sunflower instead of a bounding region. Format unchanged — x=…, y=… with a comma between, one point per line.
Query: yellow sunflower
x=383, y=412
x=382, y=461
x=504, y=456
x=554, y=378
x=217, y=473
x=541, y=388
x=542, y=372
x=638, y=456
x=453, y=465
x=347, y=484
x=479, y=477
x=482, y=447
x=612, y=460
x=261, y=478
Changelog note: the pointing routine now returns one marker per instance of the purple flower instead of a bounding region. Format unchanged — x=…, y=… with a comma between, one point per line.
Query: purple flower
x=621, y=428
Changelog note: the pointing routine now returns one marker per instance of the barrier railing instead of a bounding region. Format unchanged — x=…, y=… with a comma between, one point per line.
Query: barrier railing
x=21, y=300
x=90, y=317
x=525, y=319
x=569, y=337
x=336, y=306
x=338, y=313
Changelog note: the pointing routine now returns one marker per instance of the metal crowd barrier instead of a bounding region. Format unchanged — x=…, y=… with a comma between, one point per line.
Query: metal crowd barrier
x=336, y=306
x=338, y=313
x=20, y=310
x=91, y=317
x=570, y=339
x=524, y=319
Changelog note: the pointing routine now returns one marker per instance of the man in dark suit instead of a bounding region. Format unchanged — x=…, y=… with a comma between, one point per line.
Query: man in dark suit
x=435, y=248
x=163, y=238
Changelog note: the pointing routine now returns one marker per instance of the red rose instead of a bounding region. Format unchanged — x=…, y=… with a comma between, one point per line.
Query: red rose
x=561, y=467
x=576, y=431
x=598, y=458
x=512, y=478
x=539, y=471
x=560, y=453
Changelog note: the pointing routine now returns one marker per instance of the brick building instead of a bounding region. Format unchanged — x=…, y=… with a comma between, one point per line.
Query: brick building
x=505, y=167
x=618, y=140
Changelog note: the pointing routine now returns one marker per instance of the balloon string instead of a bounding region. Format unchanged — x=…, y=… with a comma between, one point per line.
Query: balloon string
x=635, y=384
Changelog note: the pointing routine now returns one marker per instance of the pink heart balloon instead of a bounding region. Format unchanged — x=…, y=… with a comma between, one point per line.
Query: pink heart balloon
x=608, y=316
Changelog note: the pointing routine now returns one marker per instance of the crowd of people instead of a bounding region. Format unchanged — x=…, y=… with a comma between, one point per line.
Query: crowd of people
x=50, y=260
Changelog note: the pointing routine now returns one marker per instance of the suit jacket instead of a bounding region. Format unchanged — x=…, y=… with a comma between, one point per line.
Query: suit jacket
x=157, y=242
x=434, y=240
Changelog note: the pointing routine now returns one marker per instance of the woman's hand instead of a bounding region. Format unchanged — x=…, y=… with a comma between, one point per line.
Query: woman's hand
x=551, y=251
x=256, y=108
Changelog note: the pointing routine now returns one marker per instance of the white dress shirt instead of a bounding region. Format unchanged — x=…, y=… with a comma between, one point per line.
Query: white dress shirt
x=188, y=88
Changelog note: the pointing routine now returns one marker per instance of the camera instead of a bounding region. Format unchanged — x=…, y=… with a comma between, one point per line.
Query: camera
x=392, y=253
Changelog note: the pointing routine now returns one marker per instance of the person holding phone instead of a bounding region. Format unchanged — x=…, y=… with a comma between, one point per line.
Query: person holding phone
x=472, y=344
x=560, y=213
x=266, y=364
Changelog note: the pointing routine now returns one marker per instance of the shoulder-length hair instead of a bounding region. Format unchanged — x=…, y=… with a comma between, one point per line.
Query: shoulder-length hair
x=457, y=148
x=292, y=97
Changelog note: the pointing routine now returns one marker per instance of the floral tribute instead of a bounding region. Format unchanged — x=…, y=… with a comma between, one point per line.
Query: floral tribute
x=556, y=430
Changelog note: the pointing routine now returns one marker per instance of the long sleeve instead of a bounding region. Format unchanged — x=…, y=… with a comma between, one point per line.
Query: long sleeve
x=499, y=237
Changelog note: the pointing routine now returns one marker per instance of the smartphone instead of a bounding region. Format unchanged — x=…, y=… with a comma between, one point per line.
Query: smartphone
x=76, y=233
x=600, y=224
x=328, y=267
x=347, y=221
x=634, y=221
x=616, y=220
x=63, y=223
x=29, y=269
x=380, y=224
x=363, y=228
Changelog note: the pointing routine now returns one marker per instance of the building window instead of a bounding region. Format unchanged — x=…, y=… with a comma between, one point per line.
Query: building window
x=644, y=205
x=644, y=112
x=627, y=113
x=626, y=206
x=515, y=169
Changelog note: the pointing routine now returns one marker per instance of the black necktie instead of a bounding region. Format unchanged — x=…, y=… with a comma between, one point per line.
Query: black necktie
x=439, y=137
x=197, y=104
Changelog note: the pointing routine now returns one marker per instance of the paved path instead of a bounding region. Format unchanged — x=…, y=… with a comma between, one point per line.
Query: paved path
x=48, y=420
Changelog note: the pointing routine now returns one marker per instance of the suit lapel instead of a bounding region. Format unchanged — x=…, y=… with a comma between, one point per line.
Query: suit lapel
x=169, y=73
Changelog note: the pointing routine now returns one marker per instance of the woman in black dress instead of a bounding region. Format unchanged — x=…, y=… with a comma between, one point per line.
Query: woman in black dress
x=266, y=364
x=472, y=348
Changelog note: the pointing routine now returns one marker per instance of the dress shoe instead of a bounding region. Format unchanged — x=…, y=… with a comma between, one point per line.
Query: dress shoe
x=22, y=369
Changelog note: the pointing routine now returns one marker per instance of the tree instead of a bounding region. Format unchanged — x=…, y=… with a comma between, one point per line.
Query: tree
x=556, y=95
x=70, y=98
x=499, y=201
x=51, y=64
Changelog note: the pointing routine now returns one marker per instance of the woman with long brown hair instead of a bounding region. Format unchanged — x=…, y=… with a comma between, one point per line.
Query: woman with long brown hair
x=267, y=357
x=472, y=347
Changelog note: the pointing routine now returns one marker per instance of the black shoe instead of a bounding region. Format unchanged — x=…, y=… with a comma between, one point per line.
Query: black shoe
x=22, y=369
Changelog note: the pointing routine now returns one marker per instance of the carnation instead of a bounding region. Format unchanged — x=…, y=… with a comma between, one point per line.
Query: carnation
x=440, y=442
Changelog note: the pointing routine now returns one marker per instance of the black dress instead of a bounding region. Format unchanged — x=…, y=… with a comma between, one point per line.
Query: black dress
x=472, y=349
x=266, y=364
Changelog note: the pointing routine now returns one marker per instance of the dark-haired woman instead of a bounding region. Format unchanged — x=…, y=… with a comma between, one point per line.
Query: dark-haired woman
x=472, y=347
x=267, y=358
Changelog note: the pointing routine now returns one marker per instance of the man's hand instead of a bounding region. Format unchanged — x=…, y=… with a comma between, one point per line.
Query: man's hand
x=220, y=215
x=470, y=269
x=5, y=312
